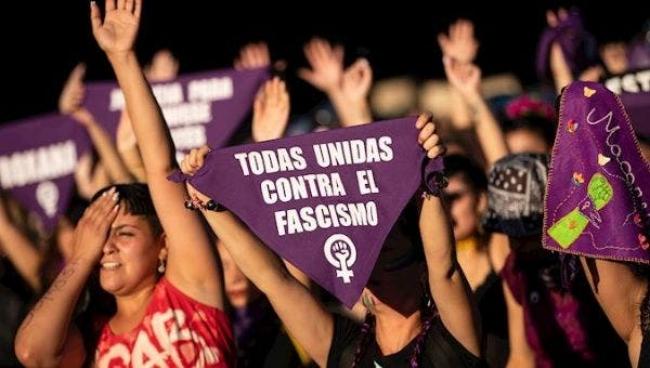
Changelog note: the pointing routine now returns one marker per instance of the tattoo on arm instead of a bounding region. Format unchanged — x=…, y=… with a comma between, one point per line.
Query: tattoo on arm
x=56, y=287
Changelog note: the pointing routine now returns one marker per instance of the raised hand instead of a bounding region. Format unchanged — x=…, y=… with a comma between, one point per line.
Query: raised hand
x=270, y=111
x=357, y=80
x=163, y=67
x=117, y=32
x=428, y=138
x=460, y=44
x=466, y=78
x=553, y=19
x=73, y=91
x=193, y=161
x=93, y=228
x=326, y=63
x=253, y=55
x=72, y=96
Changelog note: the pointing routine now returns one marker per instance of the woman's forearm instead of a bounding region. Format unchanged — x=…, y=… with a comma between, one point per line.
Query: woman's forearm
x=42, y=335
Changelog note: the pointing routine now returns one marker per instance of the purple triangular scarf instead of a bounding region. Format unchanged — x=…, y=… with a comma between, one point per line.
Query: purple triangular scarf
x=634, y=91
x=326, y=201
x=200, y=108
x=38, y=157
x=598, y=183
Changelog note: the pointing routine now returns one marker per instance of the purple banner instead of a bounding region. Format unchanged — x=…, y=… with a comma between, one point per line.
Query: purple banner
x=200, y=108
x=38, y=157
x=598, y=182
x=323, y=201
x=634, y=91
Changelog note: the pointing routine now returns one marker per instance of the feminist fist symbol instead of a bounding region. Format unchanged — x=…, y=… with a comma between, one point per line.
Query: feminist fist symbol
x=341, y=253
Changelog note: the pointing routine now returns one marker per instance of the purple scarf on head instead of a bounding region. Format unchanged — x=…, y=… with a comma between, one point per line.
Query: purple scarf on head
x=324, y=201
x=200, y=108
x=38, y=157
x=578, y=46
x=598, y=186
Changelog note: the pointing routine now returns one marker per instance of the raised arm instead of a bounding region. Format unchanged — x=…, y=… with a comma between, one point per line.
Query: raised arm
x=520, y=355
x=46, y=337
x=191, y=265
x=466, y=79
x=304, y=317
x=70, y=102
x=620, y=293
x=449, y=288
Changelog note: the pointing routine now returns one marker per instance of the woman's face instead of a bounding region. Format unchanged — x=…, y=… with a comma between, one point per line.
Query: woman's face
x=465, y=207
x=524, y=140
x=131, y=255
x=400, y=290
x=239, y=289
x=397, y=279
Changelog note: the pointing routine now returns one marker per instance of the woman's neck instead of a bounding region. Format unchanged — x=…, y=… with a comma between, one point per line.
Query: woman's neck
x=131, y=309
x=394, y=331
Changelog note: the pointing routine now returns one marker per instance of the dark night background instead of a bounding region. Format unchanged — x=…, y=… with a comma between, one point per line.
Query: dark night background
x=43, y=40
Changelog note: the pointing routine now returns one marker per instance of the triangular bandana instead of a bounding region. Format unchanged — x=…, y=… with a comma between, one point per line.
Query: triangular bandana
x=38, y=157
x=597, y=195
x=323, y=201
x=634, y=90
x=200, y=108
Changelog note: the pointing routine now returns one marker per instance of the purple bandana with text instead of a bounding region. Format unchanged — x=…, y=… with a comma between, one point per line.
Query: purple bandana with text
x=200, y=108
x=38, y=157
x=323, y=201
x=598, y=182
x=634, y=91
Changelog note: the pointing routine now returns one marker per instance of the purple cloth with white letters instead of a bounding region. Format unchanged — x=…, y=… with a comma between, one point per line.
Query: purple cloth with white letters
x=37, y=161
x=634, y=90
x=299, y=220
x=598, y=183
x=200, y=108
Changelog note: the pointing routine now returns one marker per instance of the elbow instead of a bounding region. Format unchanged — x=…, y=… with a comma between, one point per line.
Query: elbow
x=29, y=356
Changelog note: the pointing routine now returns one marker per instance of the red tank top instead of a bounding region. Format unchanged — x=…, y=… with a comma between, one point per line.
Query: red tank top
x=176, y=331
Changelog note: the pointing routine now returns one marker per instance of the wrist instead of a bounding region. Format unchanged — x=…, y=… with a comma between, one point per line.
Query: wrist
x=86, y=258
x=121, y=57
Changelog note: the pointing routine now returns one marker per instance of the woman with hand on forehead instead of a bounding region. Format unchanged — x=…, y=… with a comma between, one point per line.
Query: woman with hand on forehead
x=161, y=270
x=421, y=313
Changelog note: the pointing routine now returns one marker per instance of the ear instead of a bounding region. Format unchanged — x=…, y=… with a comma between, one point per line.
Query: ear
x=482, y=203
x=162, y=254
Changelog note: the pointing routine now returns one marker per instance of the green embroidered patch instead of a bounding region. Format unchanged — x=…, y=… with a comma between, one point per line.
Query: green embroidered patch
x=600, y=191
x=568, y=228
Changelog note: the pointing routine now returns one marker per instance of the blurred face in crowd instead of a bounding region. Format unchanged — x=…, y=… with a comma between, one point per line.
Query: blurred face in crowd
x=466, y=206
x=239, y=289
x=131, y=255
x=524, y=140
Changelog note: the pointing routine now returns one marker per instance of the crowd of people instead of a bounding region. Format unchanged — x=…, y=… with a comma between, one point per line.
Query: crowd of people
x=131, y=277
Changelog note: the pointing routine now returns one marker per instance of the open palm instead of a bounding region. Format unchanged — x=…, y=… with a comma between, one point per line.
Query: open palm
x=117, y=32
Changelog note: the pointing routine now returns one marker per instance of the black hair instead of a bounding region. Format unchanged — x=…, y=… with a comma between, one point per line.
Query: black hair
x=533, y=123
x=471, y=172
x=137, y=201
